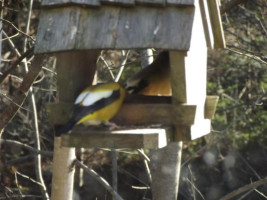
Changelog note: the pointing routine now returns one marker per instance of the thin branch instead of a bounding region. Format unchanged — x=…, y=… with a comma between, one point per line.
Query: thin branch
x=230, y=5
x=146, y=161
x=244, y=189
x=9, y=111
x=17, y=29
x=37, y=160
x=20, y=197
x=107, y=66
x=25, y=146
x=100, y=179
x=9, y=37
x=246, y=162
x=28, y=178
x=28, y=53
x=122, y=65
x=256, y=58
x=11, y=44
x=193, y=185
x=12, y=101
x=114, y=170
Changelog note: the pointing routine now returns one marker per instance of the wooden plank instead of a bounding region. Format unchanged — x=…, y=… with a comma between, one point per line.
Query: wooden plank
x=134, y=114
x=151, y=2
x=72, y=80
x=216, y=22
x=181, y=2
x=164, y=33
x=118, y=2
x=133, y=138
x=52, y=3
x=210, y=106
x=119, y=28
x=206, y=23
x=133, y=98
x=147, y=114
x=178, y=76
x=55, y=26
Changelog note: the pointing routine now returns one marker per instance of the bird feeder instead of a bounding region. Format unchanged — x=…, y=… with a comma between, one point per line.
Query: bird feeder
x=185, y=28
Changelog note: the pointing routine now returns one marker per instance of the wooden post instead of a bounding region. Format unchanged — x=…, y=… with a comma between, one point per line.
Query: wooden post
x=75, y=71
x=166, y=162
x=165, y=170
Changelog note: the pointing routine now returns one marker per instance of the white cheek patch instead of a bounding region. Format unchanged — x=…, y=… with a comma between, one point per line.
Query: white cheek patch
x=80, y=98
x=89, y=98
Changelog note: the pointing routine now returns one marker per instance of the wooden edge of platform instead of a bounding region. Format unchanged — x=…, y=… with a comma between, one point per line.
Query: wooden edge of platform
x=210, y=106
x=149, y=138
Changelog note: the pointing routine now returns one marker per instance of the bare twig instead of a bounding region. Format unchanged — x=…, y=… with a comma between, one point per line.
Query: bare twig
x=25, y=146
x=11, y=44
x=114, y=170
x=230, y=5
x=256, y=58
x=38, y=165
x=9, y=37
x=146, y=163
x=28, y=178
x=26, y=54
x=244, y=189
x=107, y=66
x=122, y=65
x=20, y=197
x=193, y=185
x=17, y=29
x=100, y=179
x=9, y=111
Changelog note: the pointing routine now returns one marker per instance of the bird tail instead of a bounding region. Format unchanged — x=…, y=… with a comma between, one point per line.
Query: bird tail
x=66, y=128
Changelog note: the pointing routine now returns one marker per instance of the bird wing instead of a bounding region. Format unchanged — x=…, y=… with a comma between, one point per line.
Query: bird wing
x=94, y=102
x=87, y=103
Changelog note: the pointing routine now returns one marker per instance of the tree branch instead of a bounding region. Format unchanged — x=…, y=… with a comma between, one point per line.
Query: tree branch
x=25, y=146
x=230, y=5
x=244, y=189
x=20, y=95
x=101, y=180
x=28, y=53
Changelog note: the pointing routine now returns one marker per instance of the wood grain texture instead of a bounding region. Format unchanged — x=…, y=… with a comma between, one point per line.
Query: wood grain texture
x=151, y=2
x=216, y=22
x=117, y=2
x=206, y=23
x=76, y=70
x=134, y=114
x=130, y=138
x=210, y=106
x=70, y=2
x=180, y=2
x=69, y=28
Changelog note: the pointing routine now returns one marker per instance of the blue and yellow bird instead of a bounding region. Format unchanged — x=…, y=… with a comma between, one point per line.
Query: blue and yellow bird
x=95, y=105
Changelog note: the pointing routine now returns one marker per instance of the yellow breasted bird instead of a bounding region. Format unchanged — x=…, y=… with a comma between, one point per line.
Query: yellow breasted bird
x=153, y=79
x=95, y=105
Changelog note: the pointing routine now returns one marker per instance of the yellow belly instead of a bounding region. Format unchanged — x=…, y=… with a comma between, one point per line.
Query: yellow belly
x=102, y=115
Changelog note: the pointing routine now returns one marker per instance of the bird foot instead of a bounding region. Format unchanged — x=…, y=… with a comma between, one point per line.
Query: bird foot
x=111, y=126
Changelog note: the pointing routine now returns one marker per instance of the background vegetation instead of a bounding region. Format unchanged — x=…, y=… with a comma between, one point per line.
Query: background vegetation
x=233, y=156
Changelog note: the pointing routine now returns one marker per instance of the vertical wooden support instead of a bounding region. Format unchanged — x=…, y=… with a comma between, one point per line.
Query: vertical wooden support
x=75, y=71
x=165, y=170
x=166, y=162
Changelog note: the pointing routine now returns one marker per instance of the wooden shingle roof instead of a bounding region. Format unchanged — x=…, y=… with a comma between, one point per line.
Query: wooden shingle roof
x=119, y=24
x=118, y=2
